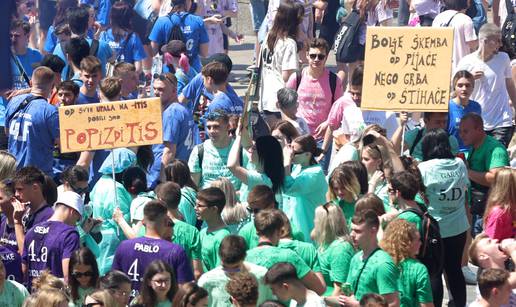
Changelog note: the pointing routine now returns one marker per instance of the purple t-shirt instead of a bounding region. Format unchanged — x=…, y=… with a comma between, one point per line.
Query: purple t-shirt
x=45, y=247
x=133, y=256
x=41, y=215
x=7, y=235
x=12, y=263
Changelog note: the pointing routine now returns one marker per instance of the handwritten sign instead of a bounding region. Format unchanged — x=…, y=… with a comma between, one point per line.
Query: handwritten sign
x=110, y=125
x=407, y=69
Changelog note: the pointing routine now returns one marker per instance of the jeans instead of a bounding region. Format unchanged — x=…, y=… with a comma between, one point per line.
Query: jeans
x=403, y=13
x=453, y=248
x=502, y=134
x=476, y=224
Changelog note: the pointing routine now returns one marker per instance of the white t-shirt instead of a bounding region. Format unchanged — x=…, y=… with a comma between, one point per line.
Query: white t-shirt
x=385, y=119
x=464, y=32
x=427, y=7
x=490, y=90
x=312, y=300
x=284, y=57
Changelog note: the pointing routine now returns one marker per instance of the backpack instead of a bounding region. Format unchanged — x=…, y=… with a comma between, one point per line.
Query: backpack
x=431, y=253
x=509, y=30
x=94, y=48
x=333, y=83
x=177, y=32
x=418, y=138
x=347, y=49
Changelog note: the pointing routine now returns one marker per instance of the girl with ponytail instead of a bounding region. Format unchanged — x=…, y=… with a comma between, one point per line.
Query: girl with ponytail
x=177, y=62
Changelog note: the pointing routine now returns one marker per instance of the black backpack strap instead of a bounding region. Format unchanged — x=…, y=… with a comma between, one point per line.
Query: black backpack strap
x=449, y=21
x=21, y=69
x=299, y=76
x=22, y=106
x=418, y=138
x=200, y=153
x=94, y=47
x=333, y=85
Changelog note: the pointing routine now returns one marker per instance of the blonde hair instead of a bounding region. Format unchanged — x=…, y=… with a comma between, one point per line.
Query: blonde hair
x=329, y=225
x=7, y=165
x=104, y=297
x=50, y=298
x=47, y=281
x=346, y=180
x=503, y=192
x=233, y=211
x=473, y=249
x=397, y=239
x=286, y=230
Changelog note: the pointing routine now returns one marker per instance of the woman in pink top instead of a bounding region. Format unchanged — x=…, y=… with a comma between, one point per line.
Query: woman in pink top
x=500, y=215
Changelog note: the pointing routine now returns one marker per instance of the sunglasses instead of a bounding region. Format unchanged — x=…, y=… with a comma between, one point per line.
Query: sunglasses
x=253, y=210
x=319, y=56
x=82, y=274
x=93, y=304
x=162, y=77
x=215, y=115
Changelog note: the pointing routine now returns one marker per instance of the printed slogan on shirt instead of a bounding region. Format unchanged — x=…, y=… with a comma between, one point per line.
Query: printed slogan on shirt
x=407, y=69
x=110, y=125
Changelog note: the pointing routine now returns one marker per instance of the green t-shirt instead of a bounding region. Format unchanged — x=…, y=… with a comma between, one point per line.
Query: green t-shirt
x=305, y=190
x=349, y=210
x=267, y=256
x=380, y=274
x=210, y=242
x=13, y=294
x=447, y=183
x=335, y=260
x=491, y=154
x=414, y=283
x=410, y=138
x=187, y=205
x=306, y=251
x=413, y=218
x=254, y=178
x=248, y=232
x=214, y=164
x=188, y=237
x=83, y=292
x=215, y=282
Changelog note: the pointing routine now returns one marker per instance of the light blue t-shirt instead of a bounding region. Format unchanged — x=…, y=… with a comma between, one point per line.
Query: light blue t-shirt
x=455, y=113
x=103, y=54
x=447, y=183
x=32, y=132
x=193, y=30
x=214, y=164
x=254, y=178
x=26, y=60
x=125, y=50
x=179, y=129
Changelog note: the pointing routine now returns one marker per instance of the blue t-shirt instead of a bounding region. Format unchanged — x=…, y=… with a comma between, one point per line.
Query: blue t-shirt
x=3, y=109
x=102, y=7
x=193, y=30
x=126, y=50
x=179, y=129
x=83, y=99
x=184, y=78
x=455, y=113
x=32, y=132
x=193, y=91
x=103, y=54
x=52, y=40
x=26, y=60
x=227, y=101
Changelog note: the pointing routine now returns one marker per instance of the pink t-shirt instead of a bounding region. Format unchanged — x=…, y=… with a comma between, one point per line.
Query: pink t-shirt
x=337, y=110
x=314, y=97
x=499, y=224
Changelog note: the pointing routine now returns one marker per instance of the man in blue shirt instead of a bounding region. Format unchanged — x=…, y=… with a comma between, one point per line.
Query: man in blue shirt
x=192, y=27
x=180, y=134
x=78, y=21
x=23, y=57
x=33, y=124
x=91, y=74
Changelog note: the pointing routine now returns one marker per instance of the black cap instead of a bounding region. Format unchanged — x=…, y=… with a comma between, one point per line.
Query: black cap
x=219, y=57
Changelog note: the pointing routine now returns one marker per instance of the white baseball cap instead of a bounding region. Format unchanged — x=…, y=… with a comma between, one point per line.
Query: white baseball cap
x=72, y=200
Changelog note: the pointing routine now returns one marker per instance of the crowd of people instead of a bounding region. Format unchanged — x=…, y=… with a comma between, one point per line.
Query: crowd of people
x=297, y=198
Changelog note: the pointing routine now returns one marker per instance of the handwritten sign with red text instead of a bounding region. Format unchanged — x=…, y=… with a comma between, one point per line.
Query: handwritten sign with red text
x=110, y=125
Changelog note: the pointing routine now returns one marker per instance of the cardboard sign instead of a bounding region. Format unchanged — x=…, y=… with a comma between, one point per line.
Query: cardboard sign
x=110, y=125
x=407, y=69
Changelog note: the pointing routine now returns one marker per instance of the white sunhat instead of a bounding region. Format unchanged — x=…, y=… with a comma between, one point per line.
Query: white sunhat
x=72, y=200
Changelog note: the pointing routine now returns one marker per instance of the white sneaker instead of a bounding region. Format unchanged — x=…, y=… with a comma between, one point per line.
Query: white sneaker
x=469, y=275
